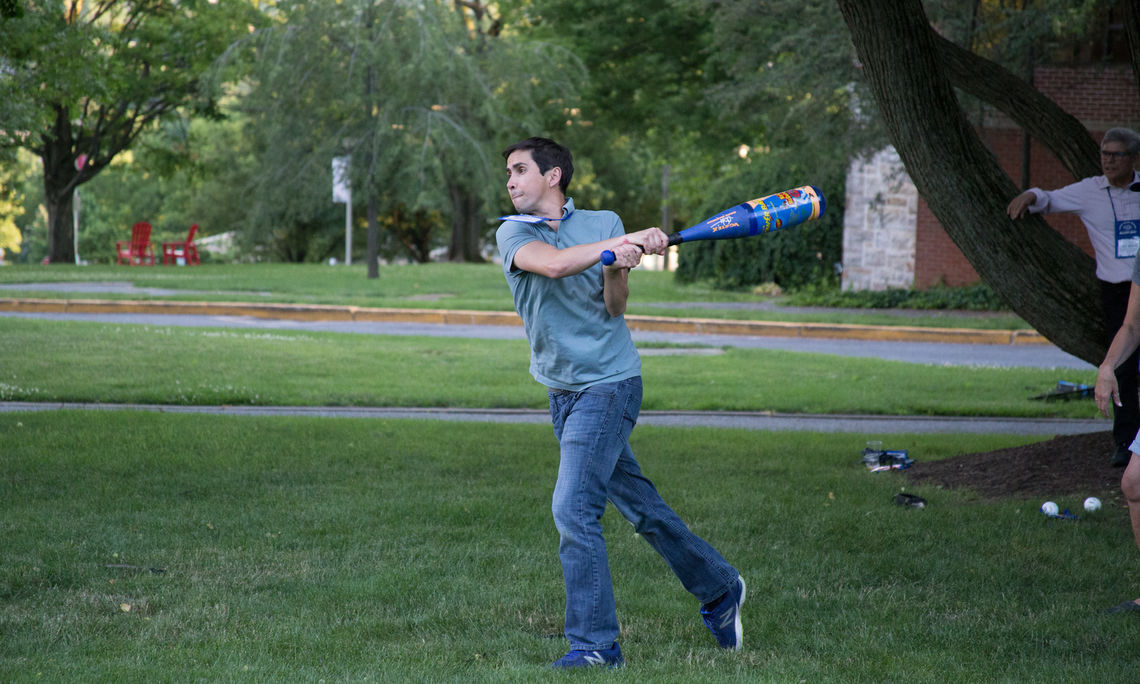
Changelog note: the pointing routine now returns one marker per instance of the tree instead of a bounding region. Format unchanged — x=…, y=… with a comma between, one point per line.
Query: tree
x=1045, y=279
x=420, y=94
x=645, y=103
x=81, y=81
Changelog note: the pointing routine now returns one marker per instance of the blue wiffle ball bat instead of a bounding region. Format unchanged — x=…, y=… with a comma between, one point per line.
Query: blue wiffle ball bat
x=756, y=217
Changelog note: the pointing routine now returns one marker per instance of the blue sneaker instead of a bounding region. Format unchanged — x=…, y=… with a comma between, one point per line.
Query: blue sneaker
x=610, y=658
x=723, y=618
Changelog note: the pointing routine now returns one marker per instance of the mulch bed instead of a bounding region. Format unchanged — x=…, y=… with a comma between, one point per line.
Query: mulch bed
x=1066, y=465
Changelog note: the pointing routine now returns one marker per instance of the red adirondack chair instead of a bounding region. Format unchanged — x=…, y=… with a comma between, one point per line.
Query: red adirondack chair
x=185, y=250
x=138, y=251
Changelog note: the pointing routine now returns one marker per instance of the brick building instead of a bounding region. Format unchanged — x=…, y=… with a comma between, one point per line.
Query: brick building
x=891, y=238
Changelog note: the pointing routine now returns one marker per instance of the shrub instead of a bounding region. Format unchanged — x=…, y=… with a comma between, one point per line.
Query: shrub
x=978, y=297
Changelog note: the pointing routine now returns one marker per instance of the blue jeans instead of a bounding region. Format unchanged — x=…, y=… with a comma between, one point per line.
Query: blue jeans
x=593, y=428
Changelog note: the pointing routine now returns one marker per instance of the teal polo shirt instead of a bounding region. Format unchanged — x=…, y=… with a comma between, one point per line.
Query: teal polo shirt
x=574, y=342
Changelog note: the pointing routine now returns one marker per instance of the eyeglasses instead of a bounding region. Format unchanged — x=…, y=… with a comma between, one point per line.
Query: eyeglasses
x=1118, y=155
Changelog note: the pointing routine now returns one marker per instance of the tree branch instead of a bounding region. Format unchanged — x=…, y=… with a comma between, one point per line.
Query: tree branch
x=1131, y=21
x=1064, y=134
x=1047, y=281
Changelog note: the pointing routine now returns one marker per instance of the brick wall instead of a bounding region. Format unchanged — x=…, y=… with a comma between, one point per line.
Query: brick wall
x=1101, y=97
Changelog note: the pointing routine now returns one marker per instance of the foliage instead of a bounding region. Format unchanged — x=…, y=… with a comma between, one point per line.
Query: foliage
x=11, y=207
x=978, y=297
x=792, y=83
x=185, y=171
x=645, y=104
x=792, y=258
x=679, y=87
x=1018, y=34
x=425, y=94
x=419, y=101
x=82, y=81
x=795, y=74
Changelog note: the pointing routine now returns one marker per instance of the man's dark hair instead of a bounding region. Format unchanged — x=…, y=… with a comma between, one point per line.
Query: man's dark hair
x=547, y=154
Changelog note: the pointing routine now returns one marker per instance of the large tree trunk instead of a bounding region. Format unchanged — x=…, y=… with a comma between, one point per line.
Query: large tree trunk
x=373, y=234
x=1047, y=281
x=60, y=181
x=61, y=225
x=466, y=228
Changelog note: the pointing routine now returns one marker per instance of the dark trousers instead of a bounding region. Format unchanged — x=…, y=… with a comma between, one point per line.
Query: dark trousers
x=1126, y=418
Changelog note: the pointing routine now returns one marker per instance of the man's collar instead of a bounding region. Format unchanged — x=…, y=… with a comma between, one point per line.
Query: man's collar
x=567, y=210
x=1135, y=186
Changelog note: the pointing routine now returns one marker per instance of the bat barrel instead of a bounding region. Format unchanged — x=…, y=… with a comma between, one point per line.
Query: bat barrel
x=760, y=216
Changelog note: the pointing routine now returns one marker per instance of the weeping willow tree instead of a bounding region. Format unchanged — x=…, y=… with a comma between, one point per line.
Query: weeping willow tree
x=420, y=94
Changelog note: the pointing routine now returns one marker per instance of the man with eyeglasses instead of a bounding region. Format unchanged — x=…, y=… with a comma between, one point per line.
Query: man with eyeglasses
x=1110, y=211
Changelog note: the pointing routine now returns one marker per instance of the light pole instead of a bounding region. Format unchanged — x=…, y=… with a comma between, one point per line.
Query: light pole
x=80, y=162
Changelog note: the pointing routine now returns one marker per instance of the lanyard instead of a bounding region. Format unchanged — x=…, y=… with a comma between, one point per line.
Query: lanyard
x=1126, y=234
x=531, y=218
x=1135, y=187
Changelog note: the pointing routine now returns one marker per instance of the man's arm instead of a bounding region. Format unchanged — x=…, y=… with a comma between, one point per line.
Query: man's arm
x=1123, y=344
x=547, y=260
x=1068, y=199
x=615, y=289
x=1019, y=206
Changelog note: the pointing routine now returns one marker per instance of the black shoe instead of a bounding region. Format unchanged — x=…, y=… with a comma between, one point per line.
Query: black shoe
x=1126, y=607
x=1121, y=457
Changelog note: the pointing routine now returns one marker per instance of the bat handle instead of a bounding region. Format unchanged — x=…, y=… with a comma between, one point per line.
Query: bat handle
x=608, y=257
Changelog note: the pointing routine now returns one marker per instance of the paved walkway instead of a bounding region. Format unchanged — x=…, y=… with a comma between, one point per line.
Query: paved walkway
x=744, y=420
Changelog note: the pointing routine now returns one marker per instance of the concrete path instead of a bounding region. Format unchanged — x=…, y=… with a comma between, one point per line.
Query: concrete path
x=743, y=420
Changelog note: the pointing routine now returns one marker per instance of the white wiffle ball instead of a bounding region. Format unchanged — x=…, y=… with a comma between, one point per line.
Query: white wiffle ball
x=1092, y=504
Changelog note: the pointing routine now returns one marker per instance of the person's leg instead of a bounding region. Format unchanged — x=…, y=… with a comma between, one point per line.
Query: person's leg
x=1130, y=485
x=592, y=427
x=701, y=569
x=1126, y=417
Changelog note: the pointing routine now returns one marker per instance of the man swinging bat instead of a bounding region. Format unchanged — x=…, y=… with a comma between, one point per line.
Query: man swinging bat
x=572, y=308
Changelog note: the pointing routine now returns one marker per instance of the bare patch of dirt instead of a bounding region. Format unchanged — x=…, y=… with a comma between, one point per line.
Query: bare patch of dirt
x=1065, y=465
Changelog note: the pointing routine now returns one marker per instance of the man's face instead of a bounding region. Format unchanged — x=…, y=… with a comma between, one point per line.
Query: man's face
x=1117, y=168
x=528, y=187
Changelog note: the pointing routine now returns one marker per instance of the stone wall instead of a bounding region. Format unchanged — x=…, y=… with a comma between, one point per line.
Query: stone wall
x=879, y=224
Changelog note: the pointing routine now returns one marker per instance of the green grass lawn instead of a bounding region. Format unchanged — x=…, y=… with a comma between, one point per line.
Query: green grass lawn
x=297, y=549
x=369, y=550
x=97, y=362
x=431, y=286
